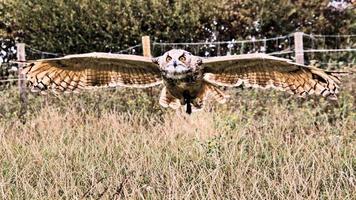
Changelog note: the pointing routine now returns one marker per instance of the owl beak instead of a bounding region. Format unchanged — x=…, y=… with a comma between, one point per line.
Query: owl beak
x=175, y=64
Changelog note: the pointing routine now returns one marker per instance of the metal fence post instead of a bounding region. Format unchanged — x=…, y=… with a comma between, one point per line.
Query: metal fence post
x=21, y=57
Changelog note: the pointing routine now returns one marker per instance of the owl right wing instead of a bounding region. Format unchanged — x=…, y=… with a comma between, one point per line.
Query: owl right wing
x=86, y=71
x=264, y=71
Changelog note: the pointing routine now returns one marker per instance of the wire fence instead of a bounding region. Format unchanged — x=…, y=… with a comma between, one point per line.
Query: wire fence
x=233, y=47
x=328, y=51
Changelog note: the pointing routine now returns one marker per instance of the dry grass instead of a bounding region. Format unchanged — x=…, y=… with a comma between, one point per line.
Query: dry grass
x=120, y=144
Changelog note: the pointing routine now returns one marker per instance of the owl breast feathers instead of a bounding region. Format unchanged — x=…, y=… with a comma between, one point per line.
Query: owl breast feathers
x=187, y=79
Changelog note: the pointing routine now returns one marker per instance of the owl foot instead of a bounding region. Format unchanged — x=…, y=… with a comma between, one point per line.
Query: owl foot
x=167, y=100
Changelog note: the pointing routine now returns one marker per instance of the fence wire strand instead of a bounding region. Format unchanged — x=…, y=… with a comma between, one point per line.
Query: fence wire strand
x=129, y=49
x=323, y=36
x=42, y=52
x=245, y=46
x=11, y=80
x=220, y=42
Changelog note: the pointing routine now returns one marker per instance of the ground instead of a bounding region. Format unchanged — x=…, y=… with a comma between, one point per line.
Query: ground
x=121, y=144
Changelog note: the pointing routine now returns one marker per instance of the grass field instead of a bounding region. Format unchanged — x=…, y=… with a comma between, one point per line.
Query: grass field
x=121, y=144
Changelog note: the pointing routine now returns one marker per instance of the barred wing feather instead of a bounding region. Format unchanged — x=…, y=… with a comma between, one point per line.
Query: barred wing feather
x=85, y=71
x=264, y=71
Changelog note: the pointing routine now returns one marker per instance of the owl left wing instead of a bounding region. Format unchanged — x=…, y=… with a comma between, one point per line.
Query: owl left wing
x=264, y=71
x=86, y=71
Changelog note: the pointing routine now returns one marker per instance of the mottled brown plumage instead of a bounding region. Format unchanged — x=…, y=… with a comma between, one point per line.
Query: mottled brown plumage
x=187, y=79
x=86, y=71
x=263, y=71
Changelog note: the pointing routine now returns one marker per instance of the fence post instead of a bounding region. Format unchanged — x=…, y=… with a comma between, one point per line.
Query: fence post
x=242, y=48
x=21, y=57
x=298, y=46
x=146, y=46
x=264, y=45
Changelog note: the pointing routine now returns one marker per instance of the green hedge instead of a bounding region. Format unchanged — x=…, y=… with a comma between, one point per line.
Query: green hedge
x=68, y=26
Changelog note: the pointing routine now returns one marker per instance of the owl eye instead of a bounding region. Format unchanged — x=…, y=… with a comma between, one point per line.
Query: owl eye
x=168, y=58
x=182, y=58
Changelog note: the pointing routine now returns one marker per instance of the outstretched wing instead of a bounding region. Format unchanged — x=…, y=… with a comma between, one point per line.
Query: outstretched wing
x=85, y=71
x=264, y=71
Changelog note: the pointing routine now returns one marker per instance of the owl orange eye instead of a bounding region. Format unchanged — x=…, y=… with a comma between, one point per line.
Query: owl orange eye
x=182, y=58
x=168, y=58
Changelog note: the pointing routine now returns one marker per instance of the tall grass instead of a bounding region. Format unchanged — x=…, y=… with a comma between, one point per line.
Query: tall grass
x=121, y=144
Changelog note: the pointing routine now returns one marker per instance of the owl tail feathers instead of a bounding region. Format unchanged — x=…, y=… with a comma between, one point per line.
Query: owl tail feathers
x=192, y=105
x=167, y=100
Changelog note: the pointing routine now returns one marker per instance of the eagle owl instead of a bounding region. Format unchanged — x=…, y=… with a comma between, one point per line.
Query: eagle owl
x=187, y=79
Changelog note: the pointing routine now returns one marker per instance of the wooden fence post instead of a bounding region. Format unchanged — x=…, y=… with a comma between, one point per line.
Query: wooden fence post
x=21, y=57
x=146, y=46
x=298, y=46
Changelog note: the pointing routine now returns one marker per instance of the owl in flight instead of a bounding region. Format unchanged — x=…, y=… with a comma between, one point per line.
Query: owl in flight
x=187, y=79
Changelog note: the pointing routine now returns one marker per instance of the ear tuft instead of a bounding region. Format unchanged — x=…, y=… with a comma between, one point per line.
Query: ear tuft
x=155, y=60
x=199, y=61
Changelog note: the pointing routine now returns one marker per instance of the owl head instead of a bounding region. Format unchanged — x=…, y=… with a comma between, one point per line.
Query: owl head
x=177, y=63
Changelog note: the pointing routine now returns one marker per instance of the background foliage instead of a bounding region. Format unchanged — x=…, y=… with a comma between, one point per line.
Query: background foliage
x=110, y=25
